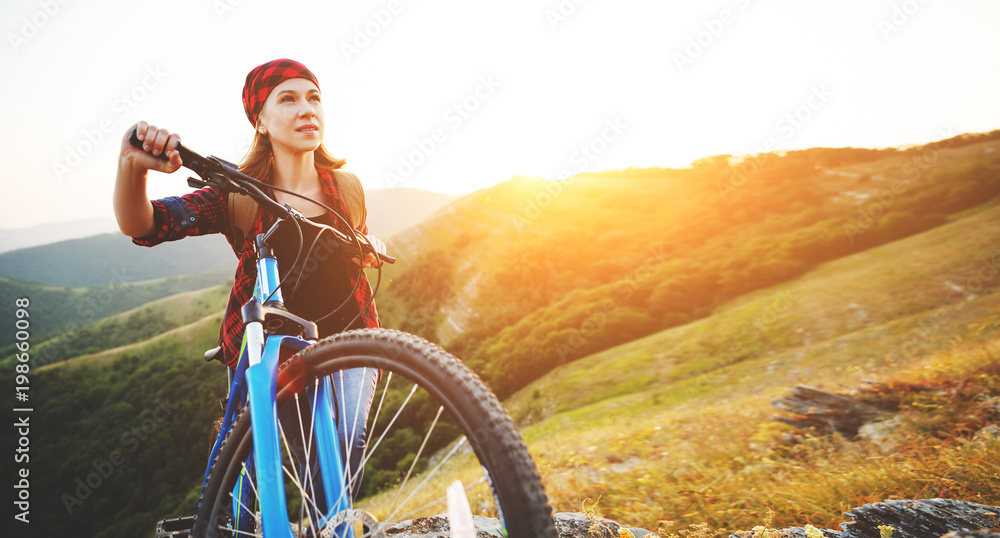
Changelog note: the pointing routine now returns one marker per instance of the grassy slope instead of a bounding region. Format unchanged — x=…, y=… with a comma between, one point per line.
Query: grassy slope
x=856, y=293
x=189, y=340
x=674, y=445
x=88, y=407
x=517, y=270
x=660, y=427
x=675, y=426
x=140, y=323
x=57, y=309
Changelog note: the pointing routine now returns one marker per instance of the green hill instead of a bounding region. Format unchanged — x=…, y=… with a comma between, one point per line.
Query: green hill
x=140, y=323
x=152, y=402
x=112, y=258
x=641, y=321
x=59, y=309
x=887, y=305
x=670, y=426
x=558, y=271
x=677, y=425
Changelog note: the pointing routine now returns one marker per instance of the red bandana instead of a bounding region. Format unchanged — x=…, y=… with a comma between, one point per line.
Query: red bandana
x=263, y=78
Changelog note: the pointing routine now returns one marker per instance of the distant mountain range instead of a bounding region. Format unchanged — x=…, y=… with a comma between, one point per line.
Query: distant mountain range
x=53, y=232
x=72, y=254
x=113, y=259
x=555, y=271
x=390, y=210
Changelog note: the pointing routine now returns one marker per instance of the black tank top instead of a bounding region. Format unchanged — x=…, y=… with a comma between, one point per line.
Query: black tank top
x=319, y=283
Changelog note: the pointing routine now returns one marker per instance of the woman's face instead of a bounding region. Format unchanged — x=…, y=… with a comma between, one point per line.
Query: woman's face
x=293, y=116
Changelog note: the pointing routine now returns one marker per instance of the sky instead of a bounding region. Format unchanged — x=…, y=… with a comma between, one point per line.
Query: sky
x=453, y=97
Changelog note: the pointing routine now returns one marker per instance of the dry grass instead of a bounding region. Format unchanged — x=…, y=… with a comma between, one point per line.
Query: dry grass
x=723, y=463
x=676, y=428
x=674, y=432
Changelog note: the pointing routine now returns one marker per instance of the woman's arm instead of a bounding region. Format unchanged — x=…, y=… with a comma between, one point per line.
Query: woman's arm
x=133, y=210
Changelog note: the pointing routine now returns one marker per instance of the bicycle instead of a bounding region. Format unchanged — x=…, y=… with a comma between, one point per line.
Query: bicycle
x=259, y=482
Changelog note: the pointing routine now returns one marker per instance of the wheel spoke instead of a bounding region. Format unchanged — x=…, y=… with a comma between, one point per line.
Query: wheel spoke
x=245, y=509
x=244, y=533
x=428, y=477
x=308, y=497
x=391, y=422
x=253, y=485
x=439, y=500
x=339, y=416
x=291, y=461
x=406, y=479
x=353, y=476
x=305, y=496
x=388, y=379
x=453, y=403
x=307, y=445
x=381, y=437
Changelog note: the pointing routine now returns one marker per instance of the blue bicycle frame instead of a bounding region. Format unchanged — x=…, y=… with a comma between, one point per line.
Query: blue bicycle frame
x=255, y=382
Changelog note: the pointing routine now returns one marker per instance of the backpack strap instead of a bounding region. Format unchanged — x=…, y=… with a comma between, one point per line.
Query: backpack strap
x=353, y=196
x=242, y=211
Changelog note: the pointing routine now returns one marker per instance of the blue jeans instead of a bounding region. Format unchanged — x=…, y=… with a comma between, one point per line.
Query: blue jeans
x=353, y=393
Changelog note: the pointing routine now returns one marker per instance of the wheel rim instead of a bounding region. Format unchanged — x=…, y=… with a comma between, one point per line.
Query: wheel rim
x=420, y=486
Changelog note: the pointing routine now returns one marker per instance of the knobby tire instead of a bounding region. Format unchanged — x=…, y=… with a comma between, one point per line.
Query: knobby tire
x=512, y=479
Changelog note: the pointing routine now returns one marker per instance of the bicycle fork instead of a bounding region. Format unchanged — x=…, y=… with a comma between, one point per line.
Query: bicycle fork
x=261, y=377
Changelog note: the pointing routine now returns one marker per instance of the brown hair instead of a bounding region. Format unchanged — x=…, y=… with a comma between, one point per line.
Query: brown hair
x=257, y=163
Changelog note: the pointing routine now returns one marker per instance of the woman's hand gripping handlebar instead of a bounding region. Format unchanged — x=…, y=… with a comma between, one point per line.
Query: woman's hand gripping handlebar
x=227, y=177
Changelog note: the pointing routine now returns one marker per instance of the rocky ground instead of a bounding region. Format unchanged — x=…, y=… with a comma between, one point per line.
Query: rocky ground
x=929, y=518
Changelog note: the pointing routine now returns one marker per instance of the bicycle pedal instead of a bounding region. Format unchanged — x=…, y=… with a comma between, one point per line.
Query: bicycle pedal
x=178, y=527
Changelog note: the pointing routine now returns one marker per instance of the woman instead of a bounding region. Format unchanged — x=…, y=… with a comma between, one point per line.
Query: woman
x=283, y=102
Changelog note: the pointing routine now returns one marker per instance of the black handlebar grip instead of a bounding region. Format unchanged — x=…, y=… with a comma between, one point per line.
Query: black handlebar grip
x=133, y=139
x=387, y=258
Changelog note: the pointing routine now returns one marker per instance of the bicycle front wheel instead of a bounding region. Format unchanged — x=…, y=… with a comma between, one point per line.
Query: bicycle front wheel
x=432, y=423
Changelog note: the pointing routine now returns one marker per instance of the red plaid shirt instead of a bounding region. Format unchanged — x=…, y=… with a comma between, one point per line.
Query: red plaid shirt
x=205, y=211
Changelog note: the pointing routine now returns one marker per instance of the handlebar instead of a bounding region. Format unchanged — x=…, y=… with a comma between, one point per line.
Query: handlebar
x=227, y=177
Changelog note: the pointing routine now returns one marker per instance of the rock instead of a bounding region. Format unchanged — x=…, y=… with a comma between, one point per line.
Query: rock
x=989, y=433
x=928, y=518
x=880, y=433
x=827, y=411
x=919, y=519
x=568, y=524
x=573, y=525
x=981, y=533
x=790, y=532
x=437, y=527
x=642, y=533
